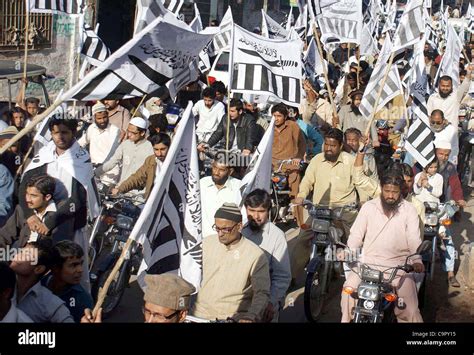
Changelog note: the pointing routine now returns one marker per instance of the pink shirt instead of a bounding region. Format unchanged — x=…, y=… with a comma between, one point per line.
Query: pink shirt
x=385, y=241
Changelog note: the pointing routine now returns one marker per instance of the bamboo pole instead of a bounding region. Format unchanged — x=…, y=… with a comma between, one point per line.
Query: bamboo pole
x=26, y=36
x=358, y=65
x=103, y=290
x=379, y=95
x=324, y=70
x=136, y=109
x=228, y=121
x=19, y=171
x=32, y=125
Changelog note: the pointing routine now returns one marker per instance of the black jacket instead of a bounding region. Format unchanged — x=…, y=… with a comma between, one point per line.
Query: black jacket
x=246, y=133
x=72, y=211
x=16, y=229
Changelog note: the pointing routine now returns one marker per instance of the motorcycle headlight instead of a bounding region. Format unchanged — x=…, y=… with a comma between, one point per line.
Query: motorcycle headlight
x=124, y=222
x=368, y=292
x=431, y=219
x=320, y=225
x=368, y=304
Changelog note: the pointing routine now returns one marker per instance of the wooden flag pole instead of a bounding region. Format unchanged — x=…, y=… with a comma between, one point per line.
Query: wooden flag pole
x=32, y=125
x=358, y=65
x=324, y=70
x=228, y=122
x=136, y=109
x=26, y=37
x=379, y=95
x=104, y=289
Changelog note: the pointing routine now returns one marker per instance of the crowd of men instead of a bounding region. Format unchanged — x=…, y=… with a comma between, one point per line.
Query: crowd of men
x=46, y=195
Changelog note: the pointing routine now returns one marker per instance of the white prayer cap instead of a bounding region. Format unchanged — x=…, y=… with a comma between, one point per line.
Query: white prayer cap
x=98, y=107
x=139, y=122
x=442, y=144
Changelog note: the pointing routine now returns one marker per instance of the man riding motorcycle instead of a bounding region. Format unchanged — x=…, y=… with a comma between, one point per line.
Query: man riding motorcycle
x=387, y=231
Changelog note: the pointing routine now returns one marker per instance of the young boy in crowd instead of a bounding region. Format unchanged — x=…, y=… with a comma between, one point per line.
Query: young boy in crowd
x=65, y=277
x=39, y=198
x=40, y=304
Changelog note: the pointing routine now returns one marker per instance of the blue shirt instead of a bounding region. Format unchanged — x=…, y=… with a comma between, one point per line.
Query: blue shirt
x=311, y=134
x=75, y=297
x=42, y=306
x=6, y=192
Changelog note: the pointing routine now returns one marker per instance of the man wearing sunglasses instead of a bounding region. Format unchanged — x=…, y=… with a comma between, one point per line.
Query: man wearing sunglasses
x=167, y=298
x=235, y=274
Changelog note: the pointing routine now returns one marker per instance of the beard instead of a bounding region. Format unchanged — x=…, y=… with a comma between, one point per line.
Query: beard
x=356, y=110
x=437, y=127
x=442, y=165
x=254, y=226
x=445, y=95
x=390, y=206
x=331, y=157
x=219, y=181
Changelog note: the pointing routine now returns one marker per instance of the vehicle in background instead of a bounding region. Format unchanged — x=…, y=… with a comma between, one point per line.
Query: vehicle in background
x=220, y=68
x=12, y=72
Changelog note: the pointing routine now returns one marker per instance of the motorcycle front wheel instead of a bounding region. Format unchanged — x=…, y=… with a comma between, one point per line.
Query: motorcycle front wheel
x=116, y=289
x=315, y=292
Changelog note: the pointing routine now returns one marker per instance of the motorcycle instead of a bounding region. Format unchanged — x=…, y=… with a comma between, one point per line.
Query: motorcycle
x=323, y=262
x=466, y=142
x=118, y=216
x=281, y=209
x=376, y=297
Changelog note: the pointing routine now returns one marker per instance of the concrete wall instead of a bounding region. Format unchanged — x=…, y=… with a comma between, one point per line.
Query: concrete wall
x=58, y=61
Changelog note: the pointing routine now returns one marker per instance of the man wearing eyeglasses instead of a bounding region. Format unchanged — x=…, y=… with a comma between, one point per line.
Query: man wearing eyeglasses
x=167, y=297
x=235, y=273
x=131, y=153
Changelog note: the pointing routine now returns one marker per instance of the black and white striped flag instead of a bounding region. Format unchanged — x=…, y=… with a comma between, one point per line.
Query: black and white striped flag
x=93, y=47
x=174, y=6
x=271, y=28
x=391, y=88
x=341, y=22
x=411, y=27
x=390, y=24
x=265, y=66
x=161, y=54
x=450, y=62
x=170, y=225
x=432, y=37
x=196, y=23
x=149, y=10
x=419, y=141
x=312, y=62
x=316, y=7
x=223, y=37
x=470, y=18
x=71, y=7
